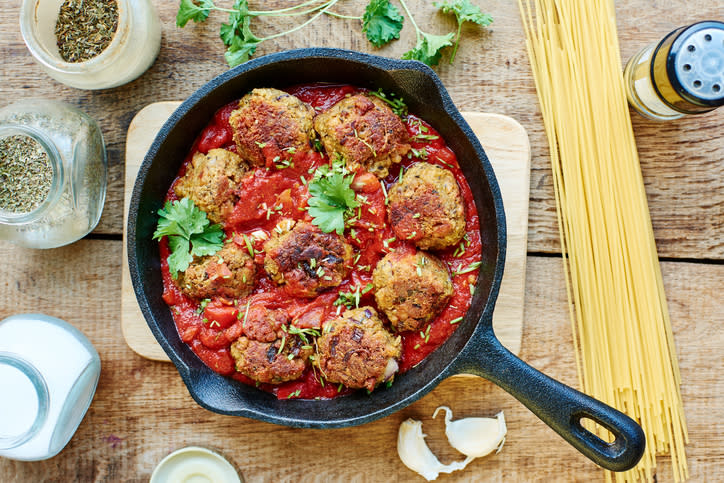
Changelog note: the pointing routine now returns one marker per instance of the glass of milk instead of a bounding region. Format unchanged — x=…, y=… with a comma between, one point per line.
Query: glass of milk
x=48, y=376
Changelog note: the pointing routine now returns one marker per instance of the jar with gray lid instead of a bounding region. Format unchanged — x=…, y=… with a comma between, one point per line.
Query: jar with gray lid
x=52, y=173
x=682, y=74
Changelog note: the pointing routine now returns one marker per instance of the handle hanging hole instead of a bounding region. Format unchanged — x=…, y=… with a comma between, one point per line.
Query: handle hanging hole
x=595, y=428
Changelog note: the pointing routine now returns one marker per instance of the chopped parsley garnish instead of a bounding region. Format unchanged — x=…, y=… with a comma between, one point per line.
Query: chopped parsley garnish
x=470, y=268
x=352, y=299
x=189, y=232
x=397, y=105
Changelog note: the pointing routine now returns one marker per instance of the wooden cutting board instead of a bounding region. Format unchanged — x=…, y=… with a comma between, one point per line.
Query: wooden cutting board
x=506, y=144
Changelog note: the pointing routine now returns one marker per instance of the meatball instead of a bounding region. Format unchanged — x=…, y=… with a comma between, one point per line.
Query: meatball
x=211, y=181
x=357, y=351
x=411, y=288
x=270, y=125
x=275, y=362
x=426, y=207
x=230, y=272
x=306, y=260
x=265, y=325
x=365, y=131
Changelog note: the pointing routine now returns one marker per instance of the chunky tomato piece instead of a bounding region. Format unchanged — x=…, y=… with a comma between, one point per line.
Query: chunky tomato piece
x=218, y=313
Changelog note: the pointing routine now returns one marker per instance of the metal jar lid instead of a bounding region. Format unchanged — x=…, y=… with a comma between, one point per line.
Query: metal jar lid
x=688, y=68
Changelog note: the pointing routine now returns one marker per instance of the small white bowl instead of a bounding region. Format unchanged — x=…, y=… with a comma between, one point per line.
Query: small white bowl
x=194, y=464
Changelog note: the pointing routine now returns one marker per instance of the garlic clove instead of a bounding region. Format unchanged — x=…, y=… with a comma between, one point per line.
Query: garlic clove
x=474, y=437
x=416, y=455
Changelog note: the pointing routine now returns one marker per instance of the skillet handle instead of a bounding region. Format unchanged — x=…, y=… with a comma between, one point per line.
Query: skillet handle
x=559, y=406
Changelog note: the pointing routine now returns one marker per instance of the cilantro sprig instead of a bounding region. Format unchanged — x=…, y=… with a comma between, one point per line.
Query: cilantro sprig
x=189, y=232
x=237, y=34
x=464, y=12
x=381, y=23
x=332, y=200
x=429, y=46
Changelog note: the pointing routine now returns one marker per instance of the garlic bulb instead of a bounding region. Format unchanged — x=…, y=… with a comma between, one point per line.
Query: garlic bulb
x=416, y=455
x=473, y=437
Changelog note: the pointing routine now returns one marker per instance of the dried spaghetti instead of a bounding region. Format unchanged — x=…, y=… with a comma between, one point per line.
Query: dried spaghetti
x=622, y=333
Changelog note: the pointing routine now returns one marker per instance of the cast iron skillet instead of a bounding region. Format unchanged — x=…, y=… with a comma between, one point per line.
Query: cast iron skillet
x=472, y=349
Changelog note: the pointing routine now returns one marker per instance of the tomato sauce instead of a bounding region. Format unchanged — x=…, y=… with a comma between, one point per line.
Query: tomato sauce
x=270, y=195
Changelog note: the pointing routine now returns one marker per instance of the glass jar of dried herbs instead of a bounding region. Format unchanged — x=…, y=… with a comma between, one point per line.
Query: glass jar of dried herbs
x=52, y=173
x=91, y=44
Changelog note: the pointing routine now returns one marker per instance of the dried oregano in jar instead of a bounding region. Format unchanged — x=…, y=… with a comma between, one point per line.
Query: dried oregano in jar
x=52, y=173
x=85, y=28
x=25, y=174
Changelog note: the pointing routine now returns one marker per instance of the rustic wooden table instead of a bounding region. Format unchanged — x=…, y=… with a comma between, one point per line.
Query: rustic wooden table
x=142, y=411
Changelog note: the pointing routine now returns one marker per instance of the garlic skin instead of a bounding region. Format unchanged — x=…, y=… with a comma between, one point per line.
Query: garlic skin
x=474, y=437
x=416, y=455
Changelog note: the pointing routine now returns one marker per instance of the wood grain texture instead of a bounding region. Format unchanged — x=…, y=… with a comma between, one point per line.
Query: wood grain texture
x=681, y=160
x=506, y=144
x=142, y=411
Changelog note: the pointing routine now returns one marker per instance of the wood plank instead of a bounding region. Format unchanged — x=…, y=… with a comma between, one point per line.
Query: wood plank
x=681, y=160
x=142, y=411
x=507, y=146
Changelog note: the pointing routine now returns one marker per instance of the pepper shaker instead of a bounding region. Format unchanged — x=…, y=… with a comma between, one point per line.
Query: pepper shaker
x=682, y=74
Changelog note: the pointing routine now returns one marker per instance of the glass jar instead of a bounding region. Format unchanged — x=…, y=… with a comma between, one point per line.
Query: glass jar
x=131, y=52
x=48, y=376
x=77, y=155
x=682, y=74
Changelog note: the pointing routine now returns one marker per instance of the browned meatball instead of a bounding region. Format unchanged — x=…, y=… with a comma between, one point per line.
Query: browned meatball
x=271, y=125
x=306, y=260
x=365, y=131
x=211, y=181
x=263, y=324
x=273, y=362
x=357, y=351
x=230, y=272
x=426, y=207
x=411, y=288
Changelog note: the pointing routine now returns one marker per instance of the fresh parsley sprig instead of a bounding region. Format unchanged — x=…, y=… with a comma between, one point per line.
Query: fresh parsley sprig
x=237, y=34
x=464, y=12
x=332, y=200
x=189, y=232
x=381, y=23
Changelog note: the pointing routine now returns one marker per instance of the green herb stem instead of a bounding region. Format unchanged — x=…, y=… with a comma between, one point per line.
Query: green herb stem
x=418, y=32
x=329, y=4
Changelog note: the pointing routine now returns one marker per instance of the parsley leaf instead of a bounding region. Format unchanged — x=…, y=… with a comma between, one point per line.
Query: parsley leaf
x=331, y=200
x=381, y=22
x=188, y=10
x=464, y=12
x=428, y=48
x=189, y=234
x=237, y=35
x=240, y=51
